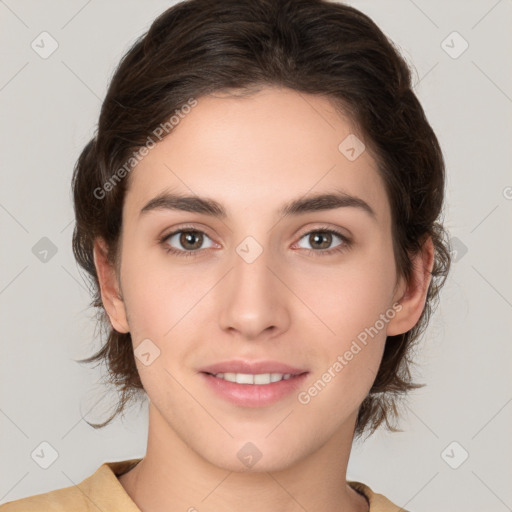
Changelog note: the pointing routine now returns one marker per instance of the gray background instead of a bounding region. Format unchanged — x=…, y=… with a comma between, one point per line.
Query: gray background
x=49, y=109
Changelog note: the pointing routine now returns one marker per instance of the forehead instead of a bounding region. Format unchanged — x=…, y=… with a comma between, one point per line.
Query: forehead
x=258, y=152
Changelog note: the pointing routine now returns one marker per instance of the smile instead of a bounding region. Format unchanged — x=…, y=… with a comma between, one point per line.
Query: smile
x=250, y=378
x=253, y=389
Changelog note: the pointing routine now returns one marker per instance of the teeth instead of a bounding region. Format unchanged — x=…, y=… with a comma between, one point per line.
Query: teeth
x=249, y=378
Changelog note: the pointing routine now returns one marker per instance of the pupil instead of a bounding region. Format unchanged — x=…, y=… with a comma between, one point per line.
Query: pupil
x=316, y=237
x=187, y=237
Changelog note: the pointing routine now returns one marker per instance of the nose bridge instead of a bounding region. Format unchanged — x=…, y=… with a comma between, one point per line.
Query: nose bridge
x=252, y=296
x=251, y=274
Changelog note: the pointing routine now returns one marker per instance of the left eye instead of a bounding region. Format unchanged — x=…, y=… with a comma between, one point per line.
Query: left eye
x=322, y=239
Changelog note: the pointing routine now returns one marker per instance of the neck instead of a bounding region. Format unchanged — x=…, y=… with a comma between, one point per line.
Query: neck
x=173, y=477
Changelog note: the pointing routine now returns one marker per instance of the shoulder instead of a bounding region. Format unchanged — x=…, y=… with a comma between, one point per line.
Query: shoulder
x=100, y=491
x=68, y=498
x=378, y=502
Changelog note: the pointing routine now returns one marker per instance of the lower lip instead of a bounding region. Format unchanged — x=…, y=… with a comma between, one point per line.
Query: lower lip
x=253, y=395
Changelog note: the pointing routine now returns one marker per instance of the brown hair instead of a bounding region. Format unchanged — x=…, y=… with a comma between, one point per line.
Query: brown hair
x=319, y=47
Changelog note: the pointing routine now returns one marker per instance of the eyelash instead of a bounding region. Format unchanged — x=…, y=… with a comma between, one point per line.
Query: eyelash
x=346, y=242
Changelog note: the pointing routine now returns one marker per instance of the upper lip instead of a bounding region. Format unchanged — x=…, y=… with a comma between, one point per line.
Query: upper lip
x=253, y=367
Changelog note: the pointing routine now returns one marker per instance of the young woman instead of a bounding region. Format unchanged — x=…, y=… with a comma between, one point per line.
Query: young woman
x=259, y=215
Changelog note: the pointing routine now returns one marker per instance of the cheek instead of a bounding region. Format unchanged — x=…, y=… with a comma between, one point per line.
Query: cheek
x=350, y=296
x=352, y=302
x=164, y=306
x=347, y=363
x=158, y=294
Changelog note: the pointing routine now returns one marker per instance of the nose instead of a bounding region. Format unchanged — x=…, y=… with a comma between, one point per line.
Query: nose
x=253, y=300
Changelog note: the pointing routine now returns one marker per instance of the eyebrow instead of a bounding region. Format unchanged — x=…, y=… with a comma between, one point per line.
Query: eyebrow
x=207, y=206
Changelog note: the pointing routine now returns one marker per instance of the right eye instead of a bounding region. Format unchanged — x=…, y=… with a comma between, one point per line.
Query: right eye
x=190, y=241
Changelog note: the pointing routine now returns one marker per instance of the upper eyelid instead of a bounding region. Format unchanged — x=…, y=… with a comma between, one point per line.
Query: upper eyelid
x=324, y=227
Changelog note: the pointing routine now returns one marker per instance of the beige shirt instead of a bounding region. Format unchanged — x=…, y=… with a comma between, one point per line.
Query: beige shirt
x=102, y=492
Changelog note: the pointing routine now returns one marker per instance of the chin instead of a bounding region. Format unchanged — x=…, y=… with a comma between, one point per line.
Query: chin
x=256, y=454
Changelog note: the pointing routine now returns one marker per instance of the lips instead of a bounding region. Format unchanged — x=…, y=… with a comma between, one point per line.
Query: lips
x=253, y=395
x=252, y=367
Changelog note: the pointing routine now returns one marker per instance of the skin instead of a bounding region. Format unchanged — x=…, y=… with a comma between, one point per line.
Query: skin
x=252, y=155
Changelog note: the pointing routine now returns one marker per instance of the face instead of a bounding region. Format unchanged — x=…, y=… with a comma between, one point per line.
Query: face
x=313, y=288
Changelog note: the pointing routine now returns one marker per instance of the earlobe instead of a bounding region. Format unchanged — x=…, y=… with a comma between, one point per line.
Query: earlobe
x=412, y=295
x=109, y=288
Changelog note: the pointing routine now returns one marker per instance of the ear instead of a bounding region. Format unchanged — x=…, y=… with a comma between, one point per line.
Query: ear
x=109, y=288
x=412, y=295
